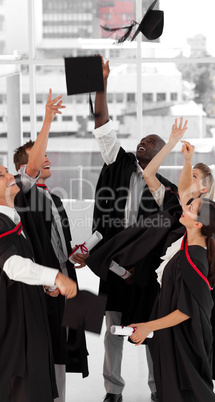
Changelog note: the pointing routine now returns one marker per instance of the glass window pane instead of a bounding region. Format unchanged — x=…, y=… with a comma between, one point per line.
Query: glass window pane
x=165, y=90
x=72, y=146
x=72, y=28
x=14, y=29
x=193, y=39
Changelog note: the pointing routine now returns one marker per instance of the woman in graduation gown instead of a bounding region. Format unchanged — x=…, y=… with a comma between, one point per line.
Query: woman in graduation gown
x=181, y=347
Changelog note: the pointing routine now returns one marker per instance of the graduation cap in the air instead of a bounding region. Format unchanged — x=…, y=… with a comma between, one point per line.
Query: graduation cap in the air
x=86, y=310
x=84, y=75
x=151, y=25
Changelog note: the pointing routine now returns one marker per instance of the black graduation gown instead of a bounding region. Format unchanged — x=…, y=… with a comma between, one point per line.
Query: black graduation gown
x=109, y=217
x=35, y=211
x=25, y=343
x=182, y=355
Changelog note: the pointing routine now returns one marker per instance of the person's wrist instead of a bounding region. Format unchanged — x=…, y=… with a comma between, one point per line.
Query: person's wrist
x=58, y=278
x=188, y=161
x=105, y=82
x=48, y=118
x=173, y=141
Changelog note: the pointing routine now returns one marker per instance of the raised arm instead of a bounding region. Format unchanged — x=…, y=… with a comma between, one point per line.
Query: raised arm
x=38, y=151
x=186, y=176
x=101, y=108
x=104, y=132
x=149, y=173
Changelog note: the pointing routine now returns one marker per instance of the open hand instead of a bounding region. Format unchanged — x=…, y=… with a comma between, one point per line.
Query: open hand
x=178, y=131
x=53, y=106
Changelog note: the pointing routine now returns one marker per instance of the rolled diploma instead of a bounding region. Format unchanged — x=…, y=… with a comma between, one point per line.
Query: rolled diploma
x=52, y=288
x=119, y=270
x=126, y=331
x=91, y=242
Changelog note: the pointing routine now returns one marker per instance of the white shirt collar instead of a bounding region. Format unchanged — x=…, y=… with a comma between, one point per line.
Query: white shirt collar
x=11, y=213
x=139, y=169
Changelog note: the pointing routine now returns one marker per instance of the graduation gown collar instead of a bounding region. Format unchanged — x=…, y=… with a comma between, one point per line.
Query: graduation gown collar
x=184, y=246
x=42, y=186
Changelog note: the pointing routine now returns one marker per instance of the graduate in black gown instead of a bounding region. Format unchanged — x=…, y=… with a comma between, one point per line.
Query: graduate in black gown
x=45, y=219
x=181, y=347
x=122, y=197
x=149, y=239
x=26, y=361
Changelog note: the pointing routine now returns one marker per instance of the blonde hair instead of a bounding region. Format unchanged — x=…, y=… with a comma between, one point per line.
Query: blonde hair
x=208, y=180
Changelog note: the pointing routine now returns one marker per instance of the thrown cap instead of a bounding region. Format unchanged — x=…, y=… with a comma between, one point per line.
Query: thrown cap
x=83, y=75
x=151, y=25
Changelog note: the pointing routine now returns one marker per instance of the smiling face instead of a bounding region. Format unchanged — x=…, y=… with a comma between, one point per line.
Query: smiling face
x=46, y=167
x=148, y=147
x=8, y=187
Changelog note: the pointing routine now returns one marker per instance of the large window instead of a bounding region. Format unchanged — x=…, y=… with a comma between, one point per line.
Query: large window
x=150, y=84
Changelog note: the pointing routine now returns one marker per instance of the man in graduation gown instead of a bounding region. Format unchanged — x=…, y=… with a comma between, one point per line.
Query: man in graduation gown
x=46, y=222
x=122, y=198
x=26, y=361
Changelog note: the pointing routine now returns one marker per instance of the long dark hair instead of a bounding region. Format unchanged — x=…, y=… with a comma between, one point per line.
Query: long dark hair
x=206, y=215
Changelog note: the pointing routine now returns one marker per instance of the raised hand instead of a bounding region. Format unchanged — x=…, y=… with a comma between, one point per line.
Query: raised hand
x=105, y=67
x=187, y=150
x=178, y=131
x=53, y=106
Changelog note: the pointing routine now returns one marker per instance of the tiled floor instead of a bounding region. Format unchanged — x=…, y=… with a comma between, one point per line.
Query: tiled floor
x=134, y=367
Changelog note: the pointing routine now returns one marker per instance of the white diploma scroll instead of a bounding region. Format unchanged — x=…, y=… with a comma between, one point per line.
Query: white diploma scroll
x=52, y=288
x=125, y=331
x=84, y=248
x=119, y=270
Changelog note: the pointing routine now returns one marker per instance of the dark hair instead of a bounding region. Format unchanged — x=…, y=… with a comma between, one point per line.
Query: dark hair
x=206, y=215
x=20, y=156
x=208, y=180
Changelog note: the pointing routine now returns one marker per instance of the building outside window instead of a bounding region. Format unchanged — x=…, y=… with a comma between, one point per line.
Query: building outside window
x=161, y=97
x=150, y=84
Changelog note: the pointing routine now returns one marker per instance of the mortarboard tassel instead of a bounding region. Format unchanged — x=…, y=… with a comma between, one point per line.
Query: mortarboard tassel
x=127, y=33
x=91, y=107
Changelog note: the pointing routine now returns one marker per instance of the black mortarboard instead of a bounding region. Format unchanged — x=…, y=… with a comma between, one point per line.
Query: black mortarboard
x=151, y=25
x=85, y=310
x=84, y=75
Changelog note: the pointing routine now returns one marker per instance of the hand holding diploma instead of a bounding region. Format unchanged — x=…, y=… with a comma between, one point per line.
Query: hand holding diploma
x=81, y=251
x=120, y=271
x=142, y=331
x=52, y=291
x=125, y=331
